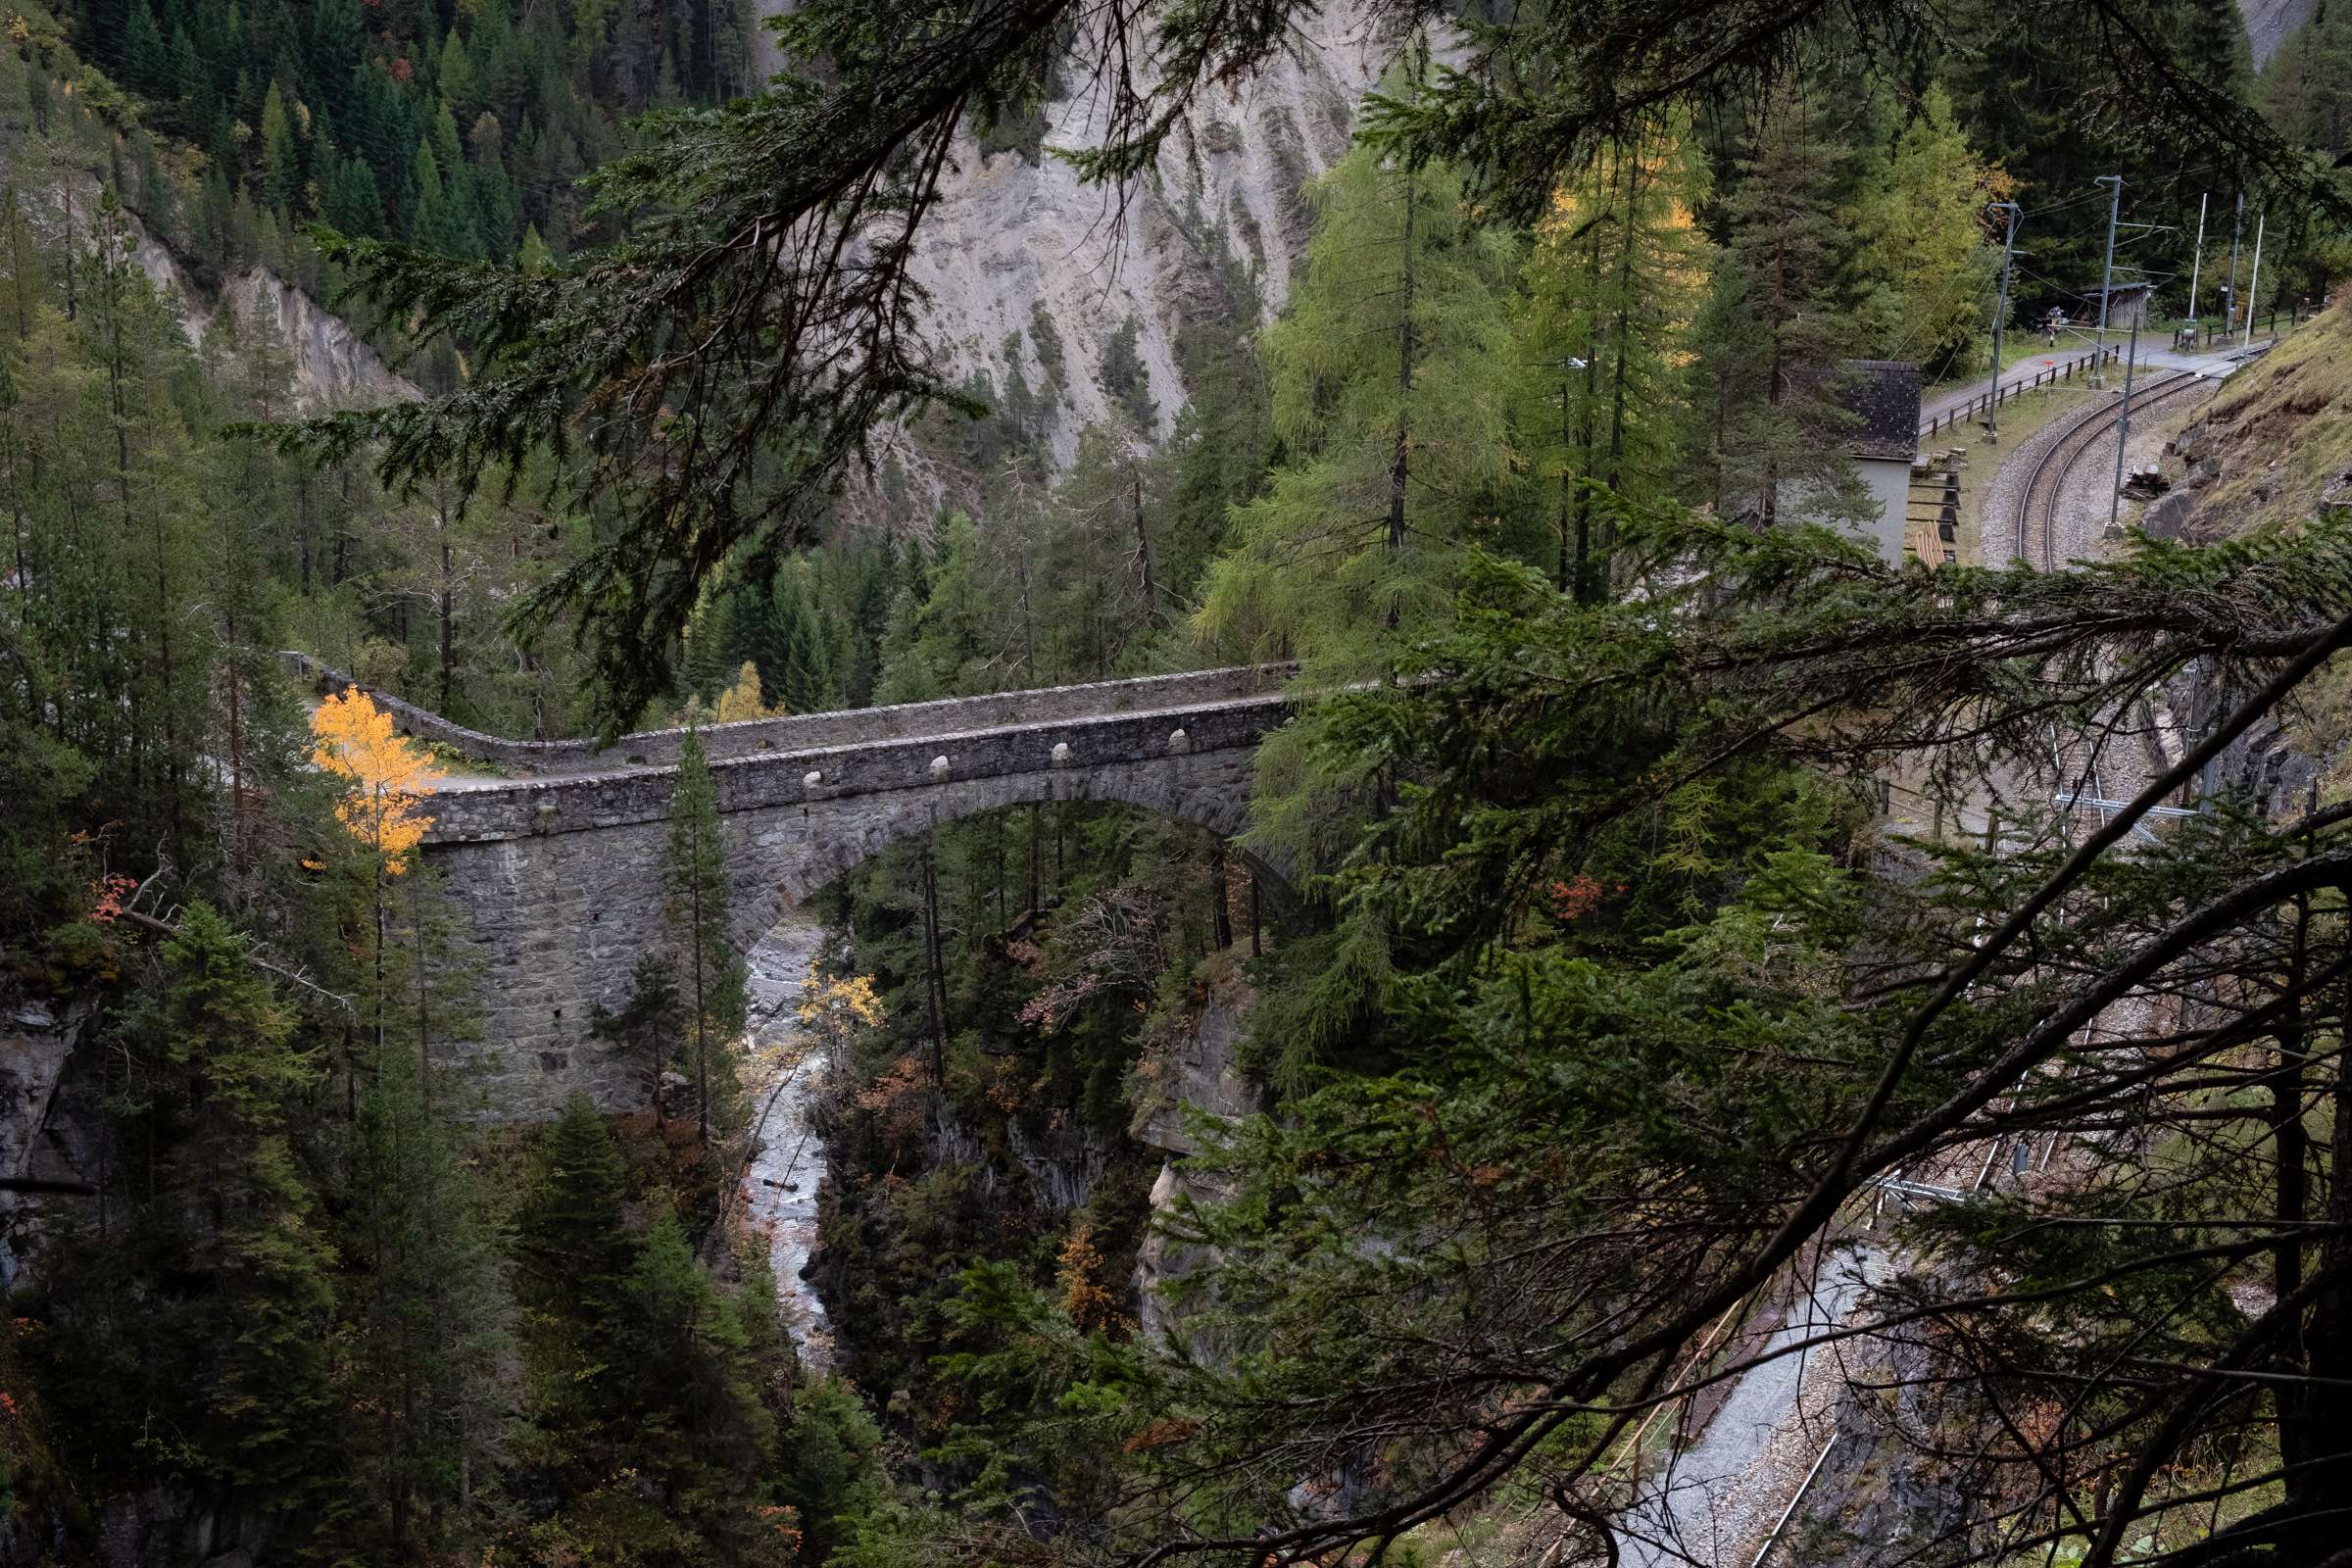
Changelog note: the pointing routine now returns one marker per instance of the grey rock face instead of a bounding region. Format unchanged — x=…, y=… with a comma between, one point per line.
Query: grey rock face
x=36, y=1047
x=1203, y=1073
x=2168, y=513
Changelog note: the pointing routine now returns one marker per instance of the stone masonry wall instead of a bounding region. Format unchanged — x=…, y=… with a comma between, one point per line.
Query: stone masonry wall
x=561, y=878
x=574, y=803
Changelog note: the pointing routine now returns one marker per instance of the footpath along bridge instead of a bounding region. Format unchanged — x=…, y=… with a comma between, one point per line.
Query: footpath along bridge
x=559, y=870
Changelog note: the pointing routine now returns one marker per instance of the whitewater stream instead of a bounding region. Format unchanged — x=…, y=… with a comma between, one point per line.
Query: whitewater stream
x=782, y=1073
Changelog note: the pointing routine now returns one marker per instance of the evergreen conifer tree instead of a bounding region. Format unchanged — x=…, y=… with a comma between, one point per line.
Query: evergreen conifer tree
x=281, y=155
x=146, y=62
x=430, y=1347
x=649, y=1024
x=268, y=1388
x=352, y=205
x=575, y=1235
x=1775, y=329
x=710, y=974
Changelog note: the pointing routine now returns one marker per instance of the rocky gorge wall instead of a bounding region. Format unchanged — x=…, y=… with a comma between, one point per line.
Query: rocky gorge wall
x=1031, y=271
x=1196, y=1073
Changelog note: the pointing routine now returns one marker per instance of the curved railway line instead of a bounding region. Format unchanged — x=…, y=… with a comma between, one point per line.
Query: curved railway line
x=2073, y=765
x=2037, y=510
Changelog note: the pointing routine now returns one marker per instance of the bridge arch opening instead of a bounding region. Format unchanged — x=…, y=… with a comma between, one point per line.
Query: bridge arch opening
x=767, y=891
x=1077, y=948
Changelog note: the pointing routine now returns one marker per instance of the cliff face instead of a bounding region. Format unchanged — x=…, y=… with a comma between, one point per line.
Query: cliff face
x=1033, y=272
x=1195, y=1070
x=333, y=367
x=2269, y=21
x=47, y=1123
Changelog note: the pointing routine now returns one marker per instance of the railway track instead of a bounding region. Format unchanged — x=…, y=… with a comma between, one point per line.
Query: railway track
x=2075, y=761
x=2076, y=768
x=2045, y=486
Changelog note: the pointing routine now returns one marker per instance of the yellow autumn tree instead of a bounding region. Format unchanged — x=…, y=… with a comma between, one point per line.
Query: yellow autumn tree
x=743, y=699
x=835, y=1008
x=384, y=776
x=1087, y=1301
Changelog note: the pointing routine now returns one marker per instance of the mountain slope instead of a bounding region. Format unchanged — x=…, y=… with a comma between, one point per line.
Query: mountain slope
x=1036, y=275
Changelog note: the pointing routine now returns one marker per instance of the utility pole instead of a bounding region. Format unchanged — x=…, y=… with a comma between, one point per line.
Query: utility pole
x=2237, y=227
x=2115, y=202
x=2122, y=430
x=2196, y=266
x=2254, y=283
x=2000, y=317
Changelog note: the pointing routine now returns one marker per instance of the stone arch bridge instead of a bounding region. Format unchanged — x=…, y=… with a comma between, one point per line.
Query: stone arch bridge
x=557, y=867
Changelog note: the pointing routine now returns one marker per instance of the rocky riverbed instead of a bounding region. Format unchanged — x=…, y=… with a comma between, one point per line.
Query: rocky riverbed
x=784, y=1073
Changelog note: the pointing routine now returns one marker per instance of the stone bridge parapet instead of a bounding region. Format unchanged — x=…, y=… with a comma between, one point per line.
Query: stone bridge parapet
x=796, y=732
x=484, y=811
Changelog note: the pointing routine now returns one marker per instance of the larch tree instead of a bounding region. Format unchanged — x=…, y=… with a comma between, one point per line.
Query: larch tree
x=383, y=778
x=1392, y=385
x=249, y=508
x=153, y=501
x=745, y=699
x=1614, y=277
x=1923, y=266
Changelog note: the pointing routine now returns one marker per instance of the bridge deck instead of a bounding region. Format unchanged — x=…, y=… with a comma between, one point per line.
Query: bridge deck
x=542, y=787
x=802, y=732
x=504, y=809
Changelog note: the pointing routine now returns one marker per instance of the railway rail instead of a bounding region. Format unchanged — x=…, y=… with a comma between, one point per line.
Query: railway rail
x=2075, y=760
x=2076, y=765
x=2037, y=508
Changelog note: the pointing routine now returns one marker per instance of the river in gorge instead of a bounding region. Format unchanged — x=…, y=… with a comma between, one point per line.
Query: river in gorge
x=783, y=1071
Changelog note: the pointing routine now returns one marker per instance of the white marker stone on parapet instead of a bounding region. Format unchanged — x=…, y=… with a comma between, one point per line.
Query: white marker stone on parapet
x=939, y=768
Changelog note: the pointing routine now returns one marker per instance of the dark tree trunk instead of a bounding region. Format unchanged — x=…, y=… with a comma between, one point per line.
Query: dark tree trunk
x=935, y=992
x=1401, y=466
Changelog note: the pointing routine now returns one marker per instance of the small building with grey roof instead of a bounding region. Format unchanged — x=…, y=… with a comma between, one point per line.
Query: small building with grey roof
x=1878, y=400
